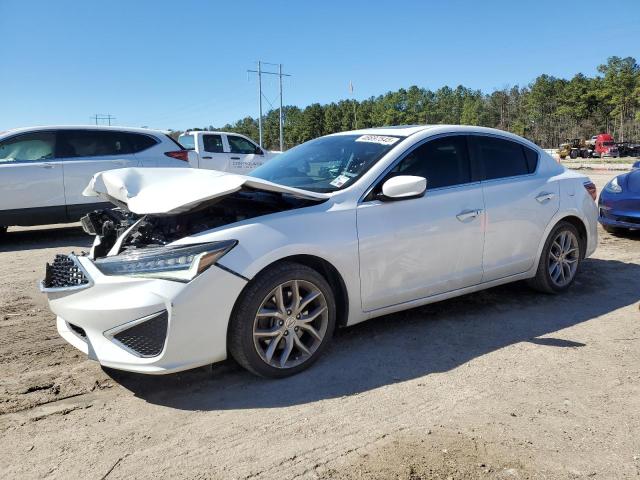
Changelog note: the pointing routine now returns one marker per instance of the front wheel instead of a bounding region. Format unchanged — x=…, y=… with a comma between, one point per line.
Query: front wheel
x=283, y=321
x=559, y=260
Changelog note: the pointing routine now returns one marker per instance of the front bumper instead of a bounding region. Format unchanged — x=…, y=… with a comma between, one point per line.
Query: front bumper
x=620, y=210
x=197, y=315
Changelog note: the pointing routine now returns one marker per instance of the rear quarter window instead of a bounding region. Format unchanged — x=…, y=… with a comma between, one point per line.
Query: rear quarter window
x=140, y=142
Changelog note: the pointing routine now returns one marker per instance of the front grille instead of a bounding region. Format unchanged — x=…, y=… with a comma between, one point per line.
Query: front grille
x=78, y=330
x=64, y=272
x=146, y=339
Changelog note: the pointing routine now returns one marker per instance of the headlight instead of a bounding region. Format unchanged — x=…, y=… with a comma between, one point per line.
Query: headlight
x=181, y=263
x=613, y=186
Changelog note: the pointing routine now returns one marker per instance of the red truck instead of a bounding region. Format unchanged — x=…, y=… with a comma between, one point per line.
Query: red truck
x=604, y=146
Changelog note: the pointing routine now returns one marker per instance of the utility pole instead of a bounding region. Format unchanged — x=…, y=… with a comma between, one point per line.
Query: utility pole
x=279, y=73
x=102, y=117
x=280, y=113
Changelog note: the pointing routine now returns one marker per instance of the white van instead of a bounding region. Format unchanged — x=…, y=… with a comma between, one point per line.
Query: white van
x=224, y=151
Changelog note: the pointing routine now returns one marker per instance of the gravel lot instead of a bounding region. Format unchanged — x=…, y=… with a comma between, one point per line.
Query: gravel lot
x=505, y=383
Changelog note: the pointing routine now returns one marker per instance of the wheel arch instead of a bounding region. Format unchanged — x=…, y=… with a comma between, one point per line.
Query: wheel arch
x=582, y=231
x=330, y=274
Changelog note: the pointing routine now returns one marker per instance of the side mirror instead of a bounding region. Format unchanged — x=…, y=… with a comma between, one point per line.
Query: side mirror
x=403, y=187
x=259, y=151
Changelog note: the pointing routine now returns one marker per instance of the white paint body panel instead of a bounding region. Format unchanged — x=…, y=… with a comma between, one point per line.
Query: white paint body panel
x=391, y=255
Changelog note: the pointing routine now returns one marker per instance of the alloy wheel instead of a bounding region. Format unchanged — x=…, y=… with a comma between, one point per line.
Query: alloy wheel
x=564, y=254
x=290, y=324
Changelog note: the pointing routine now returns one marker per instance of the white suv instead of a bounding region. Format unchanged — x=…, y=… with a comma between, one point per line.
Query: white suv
x=43, y=170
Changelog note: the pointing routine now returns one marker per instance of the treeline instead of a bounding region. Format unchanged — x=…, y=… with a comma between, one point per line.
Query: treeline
x=547, y=111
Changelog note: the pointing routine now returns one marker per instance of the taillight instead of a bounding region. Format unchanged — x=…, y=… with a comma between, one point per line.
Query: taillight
x=591, y=188
x=179, y=155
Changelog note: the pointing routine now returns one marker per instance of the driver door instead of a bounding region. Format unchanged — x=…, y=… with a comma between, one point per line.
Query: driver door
x=415, y=248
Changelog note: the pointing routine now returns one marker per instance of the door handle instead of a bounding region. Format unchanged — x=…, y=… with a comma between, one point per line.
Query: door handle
x=207, y=158
x=235, y=158
x=468, y=214
x=545, y=197
x=119, y=162
x=46, y=165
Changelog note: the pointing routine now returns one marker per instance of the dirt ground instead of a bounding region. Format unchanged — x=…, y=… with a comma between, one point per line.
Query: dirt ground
x=502, y=384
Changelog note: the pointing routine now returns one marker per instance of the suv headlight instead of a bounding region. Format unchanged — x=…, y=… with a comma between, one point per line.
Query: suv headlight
x=181, y=263
x=613, y=186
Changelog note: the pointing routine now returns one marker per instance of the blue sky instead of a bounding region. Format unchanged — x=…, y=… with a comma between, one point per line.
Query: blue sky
x=179, y=64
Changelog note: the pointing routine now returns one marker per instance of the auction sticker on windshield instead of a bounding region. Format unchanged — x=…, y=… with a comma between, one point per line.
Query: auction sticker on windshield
x=377, y=139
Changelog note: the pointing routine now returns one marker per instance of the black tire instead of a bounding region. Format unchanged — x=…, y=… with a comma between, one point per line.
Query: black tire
x=3, y=231
x=573, y=154
x=240, y=335
x=543, y=281
x=584, y=154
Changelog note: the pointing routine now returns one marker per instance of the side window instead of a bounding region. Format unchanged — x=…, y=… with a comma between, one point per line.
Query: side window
x=501, y=158
x=212, y=143
x=31, y=147
x=139, y=141
x=532, y=158
x=91, y=143
x=444, y=162
x=241, y=145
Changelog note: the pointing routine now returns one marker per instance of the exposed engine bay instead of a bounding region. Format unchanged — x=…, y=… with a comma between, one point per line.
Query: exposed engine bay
x=159, y=230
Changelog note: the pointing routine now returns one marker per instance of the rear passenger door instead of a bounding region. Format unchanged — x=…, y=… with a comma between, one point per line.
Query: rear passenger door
x=519, y=204
x=85, y=153
x=244, y=155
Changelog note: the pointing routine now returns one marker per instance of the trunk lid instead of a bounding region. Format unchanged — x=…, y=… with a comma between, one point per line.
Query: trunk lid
x=167, y=191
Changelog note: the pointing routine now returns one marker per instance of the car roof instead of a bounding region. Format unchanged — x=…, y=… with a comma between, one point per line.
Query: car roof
x=82, y=127
x=408, y=130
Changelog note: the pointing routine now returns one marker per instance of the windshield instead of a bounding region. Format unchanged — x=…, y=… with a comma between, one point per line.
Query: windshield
x=187, y=141
x=326, y=164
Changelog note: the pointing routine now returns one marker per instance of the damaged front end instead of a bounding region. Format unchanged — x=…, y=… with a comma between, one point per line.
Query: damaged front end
x=156, y=207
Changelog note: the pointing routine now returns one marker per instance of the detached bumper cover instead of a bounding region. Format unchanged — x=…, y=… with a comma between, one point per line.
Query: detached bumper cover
x=147, y=325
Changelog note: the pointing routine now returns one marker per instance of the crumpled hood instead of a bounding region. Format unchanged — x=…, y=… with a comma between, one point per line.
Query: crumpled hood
x=175, y=190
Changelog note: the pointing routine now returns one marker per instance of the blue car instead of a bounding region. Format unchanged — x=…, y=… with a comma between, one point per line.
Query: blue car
x=619, y=203
x=637, y=164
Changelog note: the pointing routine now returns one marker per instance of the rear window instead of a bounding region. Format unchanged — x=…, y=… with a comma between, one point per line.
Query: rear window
x=187, y=141
x=500, y=158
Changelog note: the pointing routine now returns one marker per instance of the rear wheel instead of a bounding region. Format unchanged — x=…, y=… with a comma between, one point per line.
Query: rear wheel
x=584, y=154
x=573, y=154
x=559, y=260
x=283, y=322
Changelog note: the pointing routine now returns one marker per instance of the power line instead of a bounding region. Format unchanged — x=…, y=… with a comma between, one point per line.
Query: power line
x=279, y=73
x=103, y=117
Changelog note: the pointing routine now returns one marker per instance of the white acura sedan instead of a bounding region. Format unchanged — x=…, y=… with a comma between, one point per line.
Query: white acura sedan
x=203, y=264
